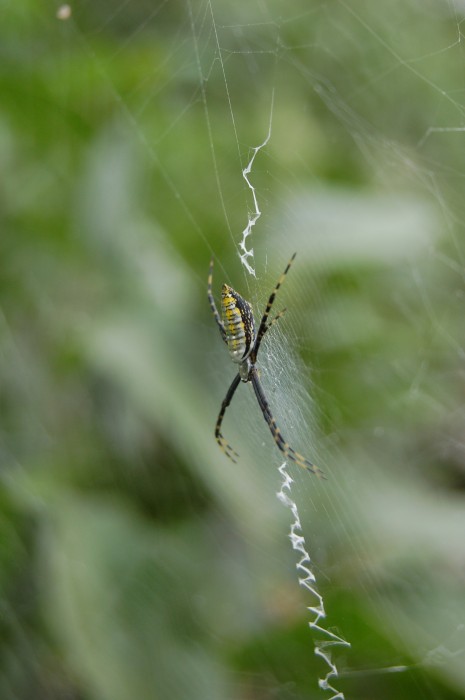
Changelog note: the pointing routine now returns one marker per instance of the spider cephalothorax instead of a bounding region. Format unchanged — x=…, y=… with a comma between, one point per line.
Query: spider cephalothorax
x=237, y=328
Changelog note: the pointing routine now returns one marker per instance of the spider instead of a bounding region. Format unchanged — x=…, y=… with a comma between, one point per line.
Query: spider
x=237, y=328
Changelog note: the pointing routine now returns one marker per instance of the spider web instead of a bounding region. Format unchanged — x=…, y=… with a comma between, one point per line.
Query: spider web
x=248, y=131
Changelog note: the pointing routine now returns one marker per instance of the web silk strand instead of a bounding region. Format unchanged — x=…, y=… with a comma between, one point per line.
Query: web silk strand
x=307, y=580
x=256, y=214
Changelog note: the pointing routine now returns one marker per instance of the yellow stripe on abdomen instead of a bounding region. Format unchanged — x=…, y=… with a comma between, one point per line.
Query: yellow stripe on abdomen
x=235, y=325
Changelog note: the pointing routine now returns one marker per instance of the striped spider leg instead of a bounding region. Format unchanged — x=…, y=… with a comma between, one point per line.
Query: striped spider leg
x=237, y=328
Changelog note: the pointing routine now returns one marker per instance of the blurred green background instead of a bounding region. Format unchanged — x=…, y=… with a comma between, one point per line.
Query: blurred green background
x=136, y=561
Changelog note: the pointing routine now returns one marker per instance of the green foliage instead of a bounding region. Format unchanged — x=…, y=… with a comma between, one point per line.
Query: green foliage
x=135, y=562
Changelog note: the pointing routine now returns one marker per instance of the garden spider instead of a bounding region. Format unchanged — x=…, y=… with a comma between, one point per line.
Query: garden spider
x=237, y=328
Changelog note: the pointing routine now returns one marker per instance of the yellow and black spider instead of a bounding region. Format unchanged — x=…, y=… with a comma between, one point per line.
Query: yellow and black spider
x=237, y=328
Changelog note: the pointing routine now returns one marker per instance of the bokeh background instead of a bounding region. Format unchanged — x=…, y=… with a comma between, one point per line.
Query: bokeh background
x=136, y=561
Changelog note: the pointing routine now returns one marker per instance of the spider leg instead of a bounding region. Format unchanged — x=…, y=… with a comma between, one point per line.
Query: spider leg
x=286, y=449
x=212, y=303
x=276, y=318
x=225, y=446
x=264, y=325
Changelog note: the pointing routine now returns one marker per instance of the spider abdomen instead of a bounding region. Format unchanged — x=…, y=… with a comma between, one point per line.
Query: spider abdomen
x=238, y=323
